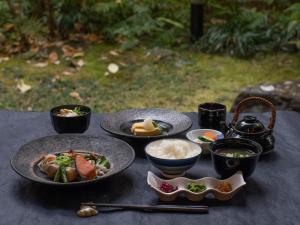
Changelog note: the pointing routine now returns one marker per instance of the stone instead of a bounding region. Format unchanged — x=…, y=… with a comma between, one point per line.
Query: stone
x=284, y=95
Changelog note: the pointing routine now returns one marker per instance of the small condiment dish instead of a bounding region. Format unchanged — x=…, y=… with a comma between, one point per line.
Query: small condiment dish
x=74, y=124
x=236, y=181
x=171, y=168
x=194, y=135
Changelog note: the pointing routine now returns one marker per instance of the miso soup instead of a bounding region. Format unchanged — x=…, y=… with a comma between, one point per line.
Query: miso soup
x=235, y=153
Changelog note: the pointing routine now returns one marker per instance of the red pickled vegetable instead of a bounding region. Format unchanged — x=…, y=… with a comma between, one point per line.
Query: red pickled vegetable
x=167, y=188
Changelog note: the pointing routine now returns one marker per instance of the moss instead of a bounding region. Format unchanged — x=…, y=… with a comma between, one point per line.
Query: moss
x=178, y=81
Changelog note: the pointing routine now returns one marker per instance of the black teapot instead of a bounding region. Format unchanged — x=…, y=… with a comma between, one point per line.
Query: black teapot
x=251, y=128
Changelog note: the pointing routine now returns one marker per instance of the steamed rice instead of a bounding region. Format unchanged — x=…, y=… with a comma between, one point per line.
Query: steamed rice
x=173, y=149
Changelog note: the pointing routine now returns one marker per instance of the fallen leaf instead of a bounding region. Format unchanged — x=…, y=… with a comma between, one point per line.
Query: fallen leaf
x=69, y=72
x=75, y=94
x=4, y=59
x=80, y=63
x=53, y=57
x=78, y=54
x=23, y=88
x=113, y=68
x=8, y=26
x=41, y=64
x=114, y=53
x=68, y=50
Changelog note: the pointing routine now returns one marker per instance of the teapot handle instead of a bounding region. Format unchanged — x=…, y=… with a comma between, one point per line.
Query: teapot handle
x=259, y=100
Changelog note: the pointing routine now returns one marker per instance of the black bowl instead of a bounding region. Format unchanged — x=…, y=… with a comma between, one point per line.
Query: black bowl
x=227, y=166
x=76, y=124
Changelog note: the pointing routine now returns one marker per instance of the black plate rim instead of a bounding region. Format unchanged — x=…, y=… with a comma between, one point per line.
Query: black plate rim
x=124, y=135
x=78, y=183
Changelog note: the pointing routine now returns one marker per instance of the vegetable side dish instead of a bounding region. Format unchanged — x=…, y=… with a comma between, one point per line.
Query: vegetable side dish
x=167, y=188
x=74, y=166
x=70, y=112
x=147, y=128
x=194, y=187
x=224, y=187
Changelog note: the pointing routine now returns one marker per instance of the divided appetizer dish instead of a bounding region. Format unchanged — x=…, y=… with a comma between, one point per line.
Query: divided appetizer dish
x=146, y=123
x=74, y=166
x=70, y=118
x=196, y=190
x=46, y=160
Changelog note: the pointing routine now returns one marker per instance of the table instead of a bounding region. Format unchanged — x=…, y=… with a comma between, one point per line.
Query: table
x=270, y=197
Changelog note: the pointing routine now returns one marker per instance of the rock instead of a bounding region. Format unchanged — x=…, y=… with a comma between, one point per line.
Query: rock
x=284, y=95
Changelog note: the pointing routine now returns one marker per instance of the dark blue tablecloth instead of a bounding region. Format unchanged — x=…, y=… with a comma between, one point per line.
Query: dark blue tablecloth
x=272, y=194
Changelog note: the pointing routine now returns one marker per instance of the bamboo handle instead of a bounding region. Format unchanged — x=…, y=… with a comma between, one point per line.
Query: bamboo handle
x=259, y=100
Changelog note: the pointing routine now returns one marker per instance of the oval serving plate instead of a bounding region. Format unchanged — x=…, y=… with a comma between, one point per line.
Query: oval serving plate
x=24, y=162
x=237, y=182
x=119, y=123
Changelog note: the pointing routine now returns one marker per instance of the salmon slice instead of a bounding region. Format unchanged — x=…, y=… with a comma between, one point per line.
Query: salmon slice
x=85, y=169
x=210, y=135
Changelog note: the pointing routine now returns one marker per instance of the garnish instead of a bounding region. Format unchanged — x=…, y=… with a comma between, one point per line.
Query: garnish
x=167, y=188
x=194, y=187
x=224, y=187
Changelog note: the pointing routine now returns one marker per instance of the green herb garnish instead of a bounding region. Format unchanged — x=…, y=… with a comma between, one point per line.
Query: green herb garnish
x=64, y=160
x=197, y=188
x=160, y=127
x=78, y=111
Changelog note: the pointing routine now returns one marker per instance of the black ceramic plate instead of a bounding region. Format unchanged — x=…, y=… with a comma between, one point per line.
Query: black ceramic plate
x=24, y=162
x=120, y=123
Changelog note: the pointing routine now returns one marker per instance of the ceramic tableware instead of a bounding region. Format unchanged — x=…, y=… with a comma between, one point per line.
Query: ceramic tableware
x=74, y=124
x=172, y=167
x=194, y=135
x=211, y=115
x=227, y=166
x=236, y=181
x=24, y=162
x=251, y=128
x=120, y=123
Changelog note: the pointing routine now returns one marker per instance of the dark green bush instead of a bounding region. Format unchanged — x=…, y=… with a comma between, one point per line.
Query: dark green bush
x=242, y=28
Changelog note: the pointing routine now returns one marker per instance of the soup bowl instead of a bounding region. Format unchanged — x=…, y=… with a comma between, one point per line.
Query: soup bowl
x=75, y=124
x=172, y=168
x=227, y=165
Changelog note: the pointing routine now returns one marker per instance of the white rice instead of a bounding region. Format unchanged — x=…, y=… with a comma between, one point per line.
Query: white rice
x=173, y=149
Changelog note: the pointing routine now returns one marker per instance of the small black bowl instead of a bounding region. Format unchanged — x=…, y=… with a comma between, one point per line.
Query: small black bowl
x=76, y=124
x=227, y=166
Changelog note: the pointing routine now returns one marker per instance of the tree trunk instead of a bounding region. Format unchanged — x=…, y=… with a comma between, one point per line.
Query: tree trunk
x=50, y=17
x=11, y=8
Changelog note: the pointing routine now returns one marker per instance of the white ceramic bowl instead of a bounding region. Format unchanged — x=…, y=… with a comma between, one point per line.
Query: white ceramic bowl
x=194, y=134
x=173, y=167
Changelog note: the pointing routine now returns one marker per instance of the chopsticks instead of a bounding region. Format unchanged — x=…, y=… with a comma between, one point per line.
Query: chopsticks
x=153, y=208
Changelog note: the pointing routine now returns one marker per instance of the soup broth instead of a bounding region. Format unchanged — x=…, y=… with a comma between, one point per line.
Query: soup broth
x=235, y=153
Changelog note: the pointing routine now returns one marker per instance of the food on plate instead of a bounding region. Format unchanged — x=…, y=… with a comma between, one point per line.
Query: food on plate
x=173, y=149
x=167, y=188
x=70, y=112
x=208, y=136
x=235, y=153
x=194, y=187
x=74, y=166
x=147, y=128
x=224, y=186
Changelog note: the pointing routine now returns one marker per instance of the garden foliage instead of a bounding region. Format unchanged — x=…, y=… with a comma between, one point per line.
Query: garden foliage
x=237, y=27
